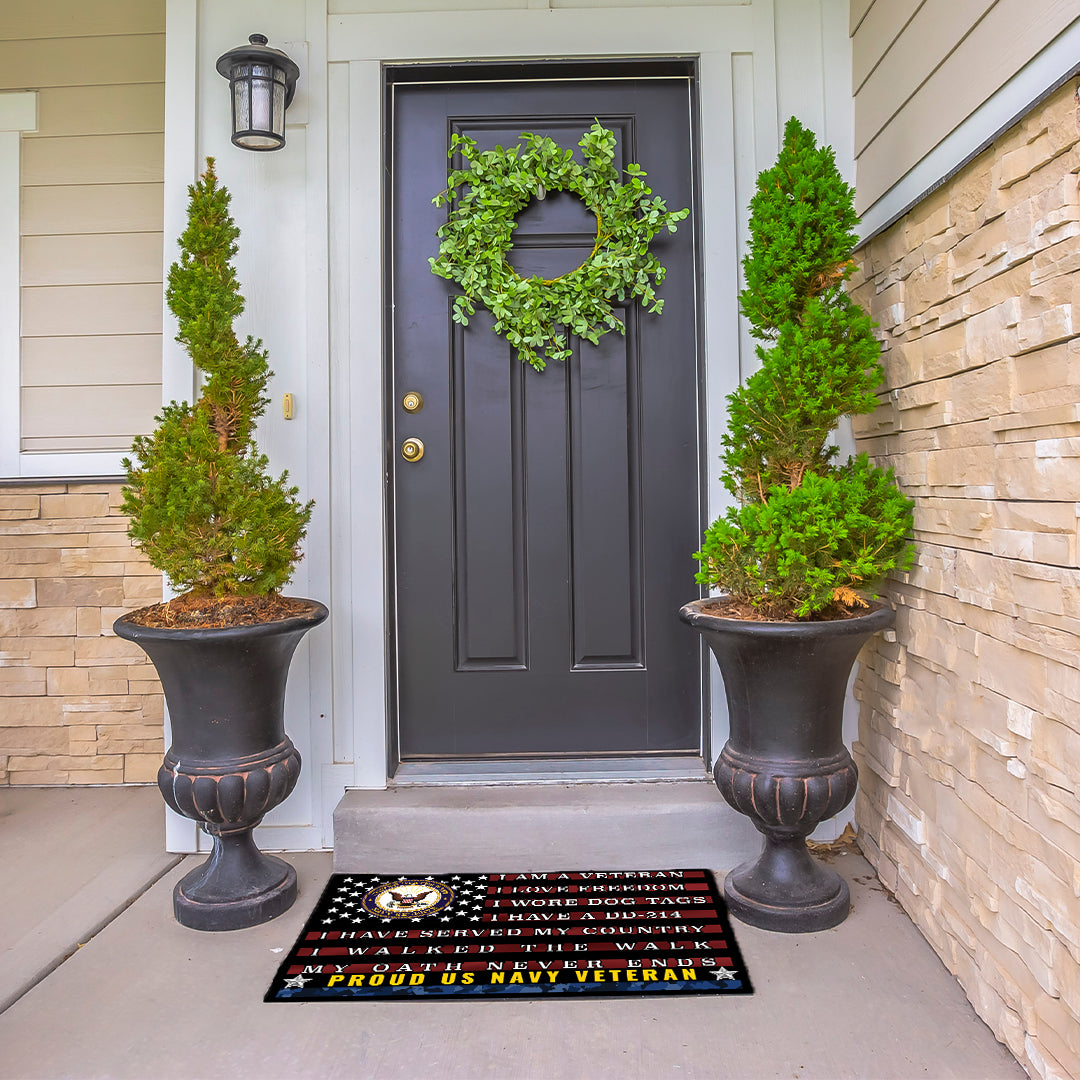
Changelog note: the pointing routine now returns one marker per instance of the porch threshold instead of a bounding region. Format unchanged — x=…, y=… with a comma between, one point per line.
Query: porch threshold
x=611, y=770
x=443, y=828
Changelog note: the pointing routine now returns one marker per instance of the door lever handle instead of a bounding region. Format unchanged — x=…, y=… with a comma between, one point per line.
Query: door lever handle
x=412, y=449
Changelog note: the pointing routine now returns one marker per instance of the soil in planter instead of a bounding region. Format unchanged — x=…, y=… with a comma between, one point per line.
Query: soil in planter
x=220, y=612
x=729, y=608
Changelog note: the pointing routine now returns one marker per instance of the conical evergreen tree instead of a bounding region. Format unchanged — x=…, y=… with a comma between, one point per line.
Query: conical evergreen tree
x=808, y=533
x=202, y=507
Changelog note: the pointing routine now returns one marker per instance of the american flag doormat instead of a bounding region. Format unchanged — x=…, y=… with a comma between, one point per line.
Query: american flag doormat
x=448, y=935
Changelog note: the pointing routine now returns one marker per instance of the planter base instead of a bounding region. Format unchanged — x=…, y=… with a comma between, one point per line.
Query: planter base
x=237, y=887
x=787, y=891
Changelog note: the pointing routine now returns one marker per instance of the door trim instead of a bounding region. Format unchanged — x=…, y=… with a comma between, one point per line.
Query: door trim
x=646, y=765
x=736, y=51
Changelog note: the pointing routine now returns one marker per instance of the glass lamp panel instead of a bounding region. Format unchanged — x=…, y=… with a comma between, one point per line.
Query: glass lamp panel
x=241, y=105
x=262, y=105
x=279, y=109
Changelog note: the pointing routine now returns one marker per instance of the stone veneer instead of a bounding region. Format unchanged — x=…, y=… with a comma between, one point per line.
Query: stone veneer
x=969, y=747
x=78, y=705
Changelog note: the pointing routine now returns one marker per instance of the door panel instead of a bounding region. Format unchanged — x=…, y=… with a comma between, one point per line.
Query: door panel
x=542, y=543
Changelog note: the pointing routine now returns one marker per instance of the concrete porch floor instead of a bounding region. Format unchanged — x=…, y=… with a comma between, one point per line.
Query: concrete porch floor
x=85, y=877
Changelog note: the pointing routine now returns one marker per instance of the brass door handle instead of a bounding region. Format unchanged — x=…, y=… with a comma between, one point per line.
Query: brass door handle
x=412, y=449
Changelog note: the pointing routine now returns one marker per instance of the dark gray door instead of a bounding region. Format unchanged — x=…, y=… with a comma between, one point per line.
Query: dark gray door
x=542, y=543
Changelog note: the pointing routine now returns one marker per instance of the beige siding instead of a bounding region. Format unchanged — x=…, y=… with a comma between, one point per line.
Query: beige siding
x=104, y=360
x=89, y=61
x=78, y=18
x=859, y=8
x=93, y=159
x=901, y=65
x=74, y=310
x=91, y=218
x=91, y=259
x=99, y=110
x=921, y=68
x=876, y=35
x=102, y=208
x=105, y=413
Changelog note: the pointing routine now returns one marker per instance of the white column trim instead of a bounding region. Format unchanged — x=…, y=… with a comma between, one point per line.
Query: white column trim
x=177, y=373
x=181, y=169
x=18, y=113
x=365, y=424
x=320, y=449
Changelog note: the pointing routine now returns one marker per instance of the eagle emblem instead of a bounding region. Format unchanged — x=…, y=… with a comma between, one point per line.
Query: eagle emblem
x=407, y=898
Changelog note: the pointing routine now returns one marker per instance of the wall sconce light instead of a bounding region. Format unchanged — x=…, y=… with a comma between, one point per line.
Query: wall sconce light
x=262, y=81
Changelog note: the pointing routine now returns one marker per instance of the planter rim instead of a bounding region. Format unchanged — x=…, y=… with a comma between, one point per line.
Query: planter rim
x=880, y=615
x=125, y=628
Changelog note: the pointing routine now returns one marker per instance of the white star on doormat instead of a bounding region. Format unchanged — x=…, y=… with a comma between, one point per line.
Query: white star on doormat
x=296, y=983
x=723, y=973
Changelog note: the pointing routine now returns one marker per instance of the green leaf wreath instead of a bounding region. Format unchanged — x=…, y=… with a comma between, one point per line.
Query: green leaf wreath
x=535, y=315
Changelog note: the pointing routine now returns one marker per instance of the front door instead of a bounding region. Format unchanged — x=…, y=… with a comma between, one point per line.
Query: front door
x=542, y=542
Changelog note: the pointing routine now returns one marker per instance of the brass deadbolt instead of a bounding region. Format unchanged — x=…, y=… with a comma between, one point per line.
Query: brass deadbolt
x=412, y=402
x=412, y=449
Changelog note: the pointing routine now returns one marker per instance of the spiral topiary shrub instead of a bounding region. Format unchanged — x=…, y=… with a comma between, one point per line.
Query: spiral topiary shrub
x=808, y=535
x=202, y=507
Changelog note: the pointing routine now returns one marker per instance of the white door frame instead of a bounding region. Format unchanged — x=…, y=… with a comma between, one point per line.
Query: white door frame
x=738, y=128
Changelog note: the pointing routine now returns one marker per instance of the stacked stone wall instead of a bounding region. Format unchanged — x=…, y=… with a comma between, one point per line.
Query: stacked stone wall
x=969, y=748
x=78, y=705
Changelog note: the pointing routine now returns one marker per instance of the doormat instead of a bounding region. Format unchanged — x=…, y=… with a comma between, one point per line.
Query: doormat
x=513, y=935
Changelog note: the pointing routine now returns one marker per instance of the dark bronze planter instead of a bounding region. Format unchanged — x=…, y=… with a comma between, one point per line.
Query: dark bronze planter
x=785, y=764
x=230, y=762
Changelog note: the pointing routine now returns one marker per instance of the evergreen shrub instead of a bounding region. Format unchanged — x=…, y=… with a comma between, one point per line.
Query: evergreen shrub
x=808, y=534
x=202, y=507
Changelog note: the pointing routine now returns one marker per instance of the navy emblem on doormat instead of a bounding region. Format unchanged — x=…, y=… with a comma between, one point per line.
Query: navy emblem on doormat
x=533, y=934
x=407, y=898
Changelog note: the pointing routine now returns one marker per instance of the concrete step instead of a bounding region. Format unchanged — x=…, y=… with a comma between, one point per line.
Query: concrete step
x=435, y=829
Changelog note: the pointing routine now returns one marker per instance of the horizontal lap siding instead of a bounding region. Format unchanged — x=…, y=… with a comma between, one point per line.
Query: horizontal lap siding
x=43, y=19
x=921, y=67
x=91, y=218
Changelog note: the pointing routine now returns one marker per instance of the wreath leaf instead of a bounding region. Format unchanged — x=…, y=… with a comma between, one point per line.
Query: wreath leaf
x=535, y=314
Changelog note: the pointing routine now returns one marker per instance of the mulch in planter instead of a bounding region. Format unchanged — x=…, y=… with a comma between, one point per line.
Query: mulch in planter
x=220, y=612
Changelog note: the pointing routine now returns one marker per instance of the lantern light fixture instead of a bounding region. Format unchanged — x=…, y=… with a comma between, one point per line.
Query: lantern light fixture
x=261, y=81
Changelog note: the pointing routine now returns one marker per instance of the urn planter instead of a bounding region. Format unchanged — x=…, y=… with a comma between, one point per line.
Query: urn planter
x=230, y=761
x=785, y=764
